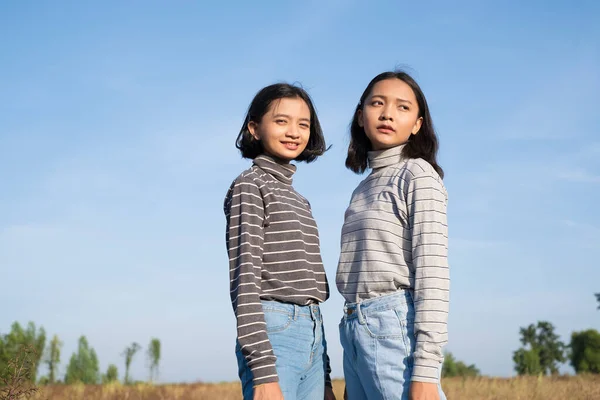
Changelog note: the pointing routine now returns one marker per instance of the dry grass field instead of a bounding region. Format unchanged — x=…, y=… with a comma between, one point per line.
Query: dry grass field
x=558, y=388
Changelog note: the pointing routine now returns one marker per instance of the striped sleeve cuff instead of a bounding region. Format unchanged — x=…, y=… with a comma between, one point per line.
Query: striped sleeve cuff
x=264, y=374
x=426, y=370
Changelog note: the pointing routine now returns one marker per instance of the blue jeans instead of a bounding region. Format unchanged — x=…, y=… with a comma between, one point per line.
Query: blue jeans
x=298, y=340
x=378, y=339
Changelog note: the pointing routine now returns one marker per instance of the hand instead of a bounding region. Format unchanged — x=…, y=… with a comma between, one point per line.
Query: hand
x=268, y=391
x=329, y=393
x=424, y=391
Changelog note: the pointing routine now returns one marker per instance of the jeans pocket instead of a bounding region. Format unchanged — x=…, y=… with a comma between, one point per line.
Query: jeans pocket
x=406, y=319
x=406, y=316
x=277, y=321
x=384, y=324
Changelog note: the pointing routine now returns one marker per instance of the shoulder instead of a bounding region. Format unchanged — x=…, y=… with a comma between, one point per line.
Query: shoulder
x=420, y=167
x=251, y=178
x=302, y=198
x=249, y=182
x=420, y=173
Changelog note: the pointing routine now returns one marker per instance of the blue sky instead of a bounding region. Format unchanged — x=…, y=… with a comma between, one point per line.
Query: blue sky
x=117, y=138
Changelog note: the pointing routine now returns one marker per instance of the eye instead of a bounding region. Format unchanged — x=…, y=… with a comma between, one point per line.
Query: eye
x=280, y=121
x=305, y=126
x=403, y=107
x=376, y=103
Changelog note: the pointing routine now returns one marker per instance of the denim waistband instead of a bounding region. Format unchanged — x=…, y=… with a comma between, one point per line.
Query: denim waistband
x=401, y=297
x=312, y=311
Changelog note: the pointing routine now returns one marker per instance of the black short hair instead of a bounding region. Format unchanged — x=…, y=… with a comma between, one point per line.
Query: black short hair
x=252, y=148
x=424, y=145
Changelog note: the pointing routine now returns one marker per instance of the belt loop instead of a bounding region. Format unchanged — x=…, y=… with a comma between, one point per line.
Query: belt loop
x=295, y=312
x=361, y=317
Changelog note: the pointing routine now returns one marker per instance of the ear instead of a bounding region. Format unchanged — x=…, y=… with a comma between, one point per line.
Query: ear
x=361, y=123
x=417, y=126
x=252, y=129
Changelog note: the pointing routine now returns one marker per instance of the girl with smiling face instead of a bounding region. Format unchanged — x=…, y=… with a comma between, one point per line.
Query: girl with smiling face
x=277, y=279
x=393, y=267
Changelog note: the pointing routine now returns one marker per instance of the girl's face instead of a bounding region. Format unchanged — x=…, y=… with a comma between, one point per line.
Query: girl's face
x=390, y=114
x=285, y=128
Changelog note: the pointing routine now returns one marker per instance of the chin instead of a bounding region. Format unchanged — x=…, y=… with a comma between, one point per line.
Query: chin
x=387, y=145
x=286, y=156
x=383, y=146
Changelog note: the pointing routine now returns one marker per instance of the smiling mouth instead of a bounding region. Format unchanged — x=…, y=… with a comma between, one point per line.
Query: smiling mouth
x=291, y=145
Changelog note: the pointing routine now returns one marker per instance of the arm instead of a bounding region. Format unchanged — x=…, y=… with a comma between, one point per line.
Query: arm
x=427, y=203
x=329, y=395
x=245, y=237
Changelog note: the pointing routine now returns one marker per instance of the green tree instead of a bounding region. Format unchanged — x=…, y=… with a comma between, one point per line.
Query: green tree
x=527, y=362
x=542, y=351
x=3, y=356
x=129, y=353
x=153, y=354
x=467, y=370
x=452, y=367
x=585, y=351
x=52, y=359
x=449, y=367
x=112, y=374
x=13, y=343
x=15, y=382
x=83, y=366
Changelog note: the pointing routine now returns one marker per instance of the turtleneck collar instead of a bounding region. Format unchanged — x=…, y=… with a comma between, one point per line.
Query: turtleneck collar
x=386, y=157
x=282, y=171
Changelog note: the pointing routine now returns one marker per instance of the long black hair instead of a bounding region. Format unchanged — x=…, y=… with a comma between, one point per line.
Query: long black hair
x=252, y=148
x=423, y=145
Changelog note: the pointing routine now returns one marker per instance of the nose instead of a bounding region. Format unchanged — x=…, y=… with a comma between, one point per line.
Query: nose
x=386, y=114
x=293, y=132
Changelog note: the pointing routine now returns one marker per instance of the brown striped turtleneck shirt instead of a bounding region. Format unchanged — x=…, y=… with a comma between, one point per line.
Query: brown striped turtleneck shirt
x=274, y=254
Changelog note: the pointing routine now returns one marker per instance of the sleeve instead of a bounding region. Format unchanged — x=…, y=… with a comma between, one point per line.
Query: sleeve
x=427, y=203
x=244, y=210
x=328, y=369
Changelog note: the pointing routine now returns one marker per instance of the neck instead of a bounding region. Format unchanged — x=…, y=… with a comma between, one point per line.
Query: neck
x=385, y=157
x=280, y=169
